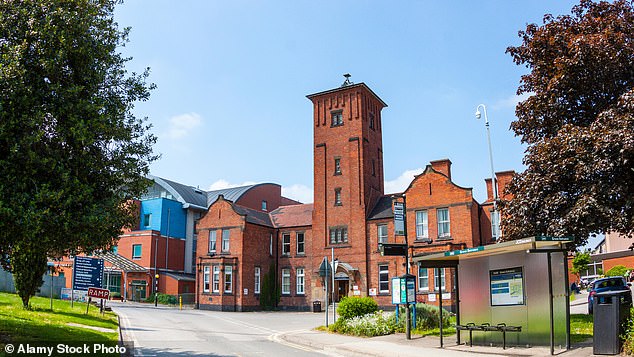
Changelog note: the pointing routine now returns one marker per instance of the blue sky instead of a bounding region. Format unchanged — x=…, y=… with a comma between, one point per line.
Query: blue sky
x=232, y=77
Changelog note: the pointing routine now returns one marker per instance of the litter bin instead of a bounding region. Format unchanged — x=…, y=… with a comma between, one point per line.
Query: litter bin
x=316, y=306
x=611, y=312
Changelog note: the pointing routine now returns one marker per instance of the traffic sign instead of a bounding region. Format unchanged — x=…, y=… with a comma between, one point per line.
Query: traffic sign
x=98, y=293
x=87, y=273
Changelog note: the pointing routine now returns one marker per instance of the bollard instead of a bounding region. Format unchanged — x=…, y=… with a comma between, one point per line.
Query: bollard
x=180, y=302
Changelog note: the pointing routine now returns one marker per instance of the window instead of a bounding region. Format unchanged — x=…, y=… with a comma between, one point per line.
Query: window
x=422, y=226
x=212, y=241
x=256, y=289
x=423, y=278
x=495, y=225
x=115, y=250
x=300, y=281
x=384, y=281
x=228, y=279
x=264, y=205
x=216, y=279
x=300, y=244
x=206, y=279
x=440, y=283
x=225, y=240
x=147, y=219
x=382, y=233
x=338, y=235
x=371, y=121
x=373, y=168
x=337, y=118
x=286, y=244
x=271, y=244
x=337, y=166
x=286, y=281
x=136, y=251
x=338, y=196
x=443, y=223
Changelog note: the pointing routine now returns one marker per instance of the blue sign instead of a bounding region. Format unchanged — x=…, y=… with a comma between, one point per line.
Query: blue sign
x=87, y=273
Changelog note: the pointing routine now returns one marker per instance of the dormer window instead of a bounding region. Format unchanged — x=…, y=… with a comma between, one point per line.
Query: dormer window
x=264, y=205
x=337, y=118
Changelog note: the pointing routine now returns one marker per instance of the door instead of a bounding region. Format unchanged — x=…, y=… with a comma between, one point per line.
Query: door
x=342, y=289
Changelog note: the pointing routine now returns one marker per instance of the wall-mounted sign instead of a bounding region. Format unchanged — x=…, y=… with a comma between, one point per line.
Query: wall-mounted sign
x=507, y=287
x=372, y=292
x=399, y=218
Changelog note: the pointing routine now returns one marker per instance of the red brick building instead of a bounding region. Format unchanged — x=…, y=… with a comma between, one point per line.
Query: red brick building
x=351, y=214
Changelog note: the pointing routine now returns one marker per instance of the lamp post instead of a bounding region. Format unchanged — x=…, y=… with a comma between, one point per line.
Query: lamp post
x=494, y=186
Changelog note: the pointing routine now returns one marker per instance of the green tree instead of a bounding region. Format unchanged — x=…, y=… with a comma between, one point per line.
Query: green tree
x=617, y=270
x=578, y=124
x=580, y=263
x=71, y=151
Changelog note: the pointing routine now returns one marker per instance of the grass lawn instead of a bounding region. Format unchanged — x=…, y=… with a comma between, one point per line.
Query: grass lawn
x=40, y=324
x=580, y=327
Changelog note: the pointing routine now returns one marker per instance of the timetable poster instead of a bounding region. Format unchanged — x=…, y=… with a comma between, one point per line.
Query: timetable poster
x=507, y=287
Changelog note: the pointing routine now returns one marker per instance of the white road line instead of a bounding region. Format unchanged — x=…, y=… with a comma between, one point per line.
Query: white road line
x=276, y=338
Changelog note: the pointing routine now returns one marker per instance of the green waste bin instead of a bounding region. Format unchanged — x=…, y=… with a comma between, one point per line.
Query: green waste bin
x=316, y=306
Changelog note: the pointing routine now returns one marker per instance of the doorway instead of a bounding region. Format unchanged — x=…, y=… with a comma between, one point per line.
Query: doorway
x=341, y=290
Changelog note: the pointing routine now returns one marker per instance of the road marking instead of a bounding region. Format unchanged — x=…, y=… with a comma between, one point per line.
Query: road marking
x=277, y=339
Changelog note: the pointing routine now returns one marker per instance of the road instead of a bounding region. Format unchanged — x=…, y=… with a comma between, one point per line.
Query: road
x=165, y=331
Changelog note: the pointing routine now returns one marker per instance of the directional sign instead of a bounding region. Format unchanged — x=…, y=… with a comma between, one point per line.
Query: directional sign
x=98, y=293
x=87, y=273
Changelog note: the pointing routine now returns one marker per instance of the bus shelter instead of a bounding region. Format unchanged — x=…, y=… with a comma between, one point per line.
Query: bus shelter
x=521, y=283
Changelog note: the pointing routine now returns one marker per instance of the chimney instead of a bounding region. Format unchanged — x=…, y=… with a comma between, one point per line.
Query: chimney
x=487, y=181
x=443, y=166
x=503, y=179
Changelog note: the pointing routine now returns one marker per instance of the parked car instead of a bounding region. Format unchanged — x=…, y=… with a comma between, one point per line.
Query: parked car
x=612, y=283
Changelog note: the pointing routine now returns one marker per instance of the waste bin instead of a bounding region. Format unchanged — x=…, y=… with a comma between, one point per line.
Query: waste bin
x=316, y=306
x=611, y=312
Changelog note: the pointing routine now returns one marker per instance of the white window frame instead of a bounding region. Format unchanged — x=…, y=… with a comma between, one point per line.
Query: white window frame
x=300, y=278
x=215, y=286
x=256, y=288
x=495, y=225
x=228, y=282
x=384, y=277
x=423, y=279
x=422, y=224
x=286, y=281
x=212, y=241
x=302, y=243
x=381, y=233
x=442, y=280
x=443, y=231
x=226, y=239
x=206, y=279
x=286, y=244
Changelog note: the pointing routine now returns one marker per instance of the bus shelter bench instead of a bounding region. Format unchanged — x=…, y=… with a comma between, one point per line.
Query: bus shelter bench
x=501, y=327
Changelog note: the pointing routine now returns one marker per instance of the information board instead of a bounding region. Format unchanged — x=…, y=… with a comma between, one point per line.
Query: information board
x=396, y=291
x=399, y=218
x=87, y=273
x=507, y=287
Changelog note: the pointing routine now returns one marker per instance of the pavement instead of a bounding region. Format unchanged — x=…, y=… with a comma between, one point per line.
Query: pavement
x=398, y=346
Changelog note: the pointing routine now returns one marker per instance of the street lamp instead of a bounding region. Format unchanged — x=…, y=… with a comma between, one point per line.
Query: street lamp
x=494, y=214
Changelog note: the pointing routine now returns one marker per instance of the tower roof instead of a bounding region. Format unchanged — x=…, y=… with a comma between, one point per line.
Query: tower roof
x=347, y=87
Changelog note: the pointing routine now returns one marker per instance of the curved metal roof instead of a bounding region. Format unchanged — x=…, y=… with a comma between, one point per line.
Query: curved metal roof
x=183, y=193
x=232, y=194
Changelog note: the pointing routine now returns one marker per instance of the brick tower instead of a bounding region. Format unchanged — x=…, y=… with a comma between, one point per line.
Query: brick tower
x=348, y=169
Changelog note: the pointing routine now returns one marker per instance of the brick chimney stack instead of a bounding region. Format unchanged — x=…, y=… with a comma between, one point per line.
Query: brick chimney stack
x=443, y=166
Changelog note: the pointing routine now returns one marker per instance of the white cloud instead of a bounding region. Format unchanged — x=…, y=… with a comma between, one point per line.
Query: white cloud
x=301, y=193
x=222, y=184
x=181, y=125
x=511, y=102
x=402, y=182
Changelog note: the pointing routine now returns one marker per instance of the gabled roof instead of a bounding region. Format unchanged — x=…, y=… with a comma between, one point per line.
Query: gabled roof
x=382, y=209
x=253, y=216
x=293, y=216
